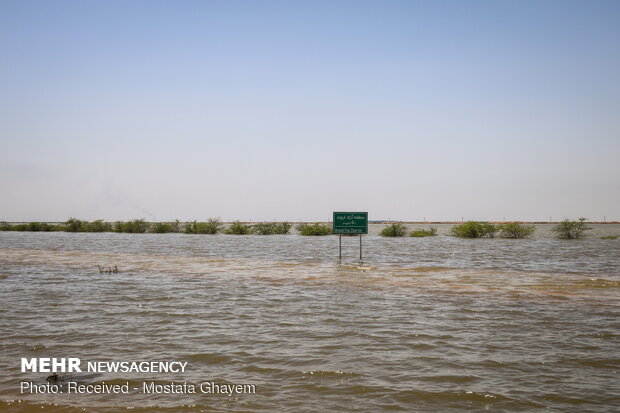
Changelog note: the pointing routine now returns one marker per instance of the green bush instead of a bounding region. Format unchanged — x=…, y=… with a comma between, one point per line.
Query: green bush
x=421, y=232
x=474, y=229
x=176, y=226
x=515, y=230
x=165, y=227
x=5, y=226
x=610, y=237
x=191, y=227
x=33, y=227
x=394, y=230
x=74, y=225
x=97, y=226
x=135, y=226
x=238, y=228
x=51, y=227
x=36, y=226
x=283, y=228
x=270, y=228
x=212, y=226
x=162, y=227
x=569, y=229
x=316, y=229
x=264, y=228
x=40, y=226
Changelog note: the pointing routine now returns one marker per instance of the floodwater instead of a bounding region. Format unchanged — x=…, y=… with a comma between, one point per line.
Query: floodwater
x=420, y=324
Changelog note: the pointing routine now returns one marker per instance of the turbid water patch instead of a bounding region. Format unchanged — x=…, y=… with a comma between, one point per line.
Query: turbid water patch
x=419, y=325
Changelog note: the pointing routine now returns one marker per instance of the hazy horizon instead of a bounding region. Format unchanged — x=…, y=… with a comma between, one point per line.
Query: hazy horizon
x=409, y=110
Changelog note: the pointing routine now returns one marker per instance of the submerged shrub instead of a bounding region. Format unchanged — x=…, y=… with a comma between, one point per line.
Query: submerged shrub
x=212, y=226
x=117, y=226
x=176, y=226
x=191, y=227
x=515, y=230
x=238, y=228
x=610, y=237
x=271, y=228
x=265, y=228
x=394, y=230
x=135, y=226
x=33, y=227
x=314, y=229
x=474, y=229
x=97, y=226
x=283, y=228
x=569, y=229
x=36, y=226
x=162, y=227
x=44, y=226
x=74, y=225
x=421, y=232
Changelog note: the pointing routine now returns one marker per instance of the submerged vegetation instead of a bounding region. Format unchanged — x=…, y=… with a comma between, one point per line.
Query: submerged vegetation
x=569, y=229
x=474, y=229
x=97, y=226
x=239, y=228
x=515, y=230
x=421, y=232
x=33, y=227
x=135, y=226
x=74, y=225
x=394, y=230
x=271, y=228
x=212, y=226
x=140, y=226
x=314, y=229
x=283, y=228
x=164, y=227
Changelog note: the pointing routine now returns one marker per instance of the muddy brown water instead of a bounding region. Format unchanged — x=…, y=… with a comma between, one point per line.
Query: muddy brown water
x=420, y=324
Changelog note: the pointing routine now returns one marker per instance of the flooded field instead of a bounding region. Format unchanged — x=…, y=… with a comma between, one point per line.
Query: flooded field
x=434, y=324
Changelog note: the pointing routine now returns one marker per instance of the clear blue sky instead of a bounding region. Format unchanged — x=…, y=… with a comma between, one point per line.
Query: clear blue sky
x=288, y=109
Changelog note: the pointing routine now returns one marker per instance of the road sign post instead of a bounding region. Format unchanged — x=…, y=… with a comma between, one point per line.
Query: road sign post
x=349, y=223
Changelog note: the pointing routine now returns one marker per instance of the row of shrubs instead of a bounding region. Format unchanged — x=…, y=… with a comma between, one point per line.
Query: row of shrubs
x=567, y=229
x=140, y=226
x=400, y=230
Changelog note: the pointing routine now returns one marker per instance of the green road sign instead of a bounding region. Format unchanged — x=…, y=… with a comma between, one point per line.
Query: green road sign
x=350, y=223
